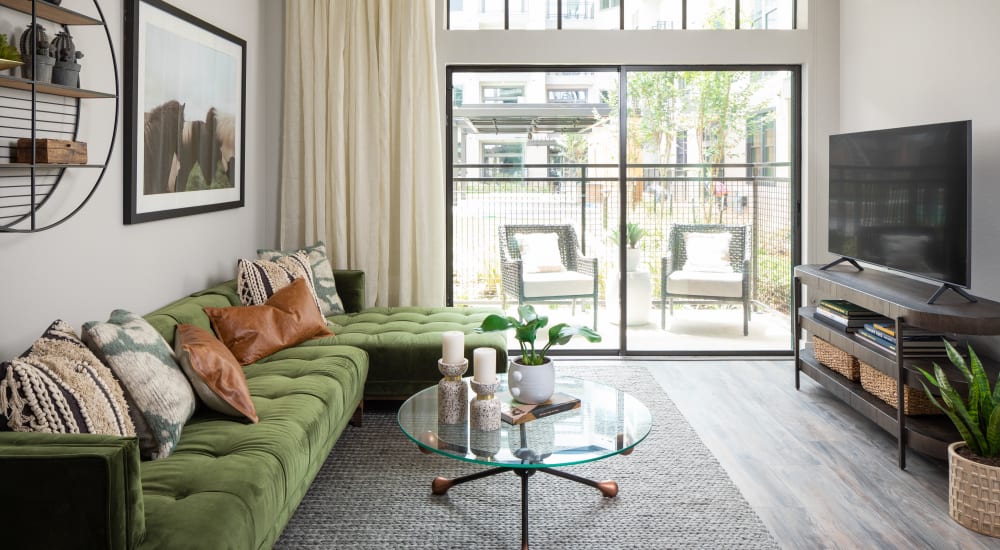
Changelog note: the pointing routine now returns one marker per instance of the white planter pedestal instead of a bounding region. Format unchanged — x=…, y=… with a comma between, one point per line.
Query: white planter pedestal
x=640, y=295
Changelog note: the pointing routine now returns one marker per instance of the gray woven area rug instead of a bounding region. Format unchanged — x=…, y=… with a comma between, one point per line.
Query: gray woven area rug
x=374, y=492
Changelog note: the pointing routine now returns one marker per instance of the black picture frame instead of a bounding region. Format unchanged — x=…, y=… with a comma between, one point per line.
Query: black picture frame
x=185, y=108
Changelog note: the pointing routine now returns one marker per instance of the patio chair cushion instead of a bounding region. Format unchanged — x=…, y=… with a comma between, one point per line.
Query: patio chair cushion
x=540, y=252
x=700, y=283
x=566, y=283
x=707, y=252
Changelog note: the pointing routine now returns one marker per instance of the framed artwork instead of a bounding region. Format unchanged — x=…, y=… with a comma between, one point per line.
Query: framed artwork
x=185, y=109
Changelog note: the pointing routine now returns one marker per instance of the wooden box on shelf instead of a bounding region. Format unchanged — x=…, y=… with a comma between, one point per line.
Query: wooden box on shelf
x=915, y=401
x=52, y=151
x=836, y=359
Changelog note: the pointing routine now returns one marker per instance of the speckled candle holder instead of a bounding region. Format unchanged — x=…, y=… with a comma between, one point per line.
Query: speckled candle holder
x=485, y=445
x=484, y=410
x=453, y=393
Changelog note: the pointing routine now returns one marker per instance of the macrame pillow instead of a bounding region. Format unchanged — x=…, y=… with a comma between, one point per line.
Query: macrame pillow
x=59, y=386
x=258, y=280
x=322, y=275
x=160, y=398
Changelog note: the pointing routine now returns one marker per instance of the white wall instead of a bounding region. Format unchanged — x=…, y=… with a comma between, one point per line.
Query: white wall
x=91, y=264
x=906, y=62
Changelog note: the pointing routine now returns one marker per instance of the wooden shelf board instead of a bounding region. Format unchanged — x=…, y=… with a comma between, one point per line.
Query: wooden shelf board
x=7, y=81
x=897, y=296
x=927, y=434
x=24, y=165
x=51, y=12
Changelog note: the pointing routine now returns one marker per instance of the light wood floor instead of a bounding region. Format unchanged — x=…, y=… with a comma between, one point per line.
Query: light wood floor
x=817, y=473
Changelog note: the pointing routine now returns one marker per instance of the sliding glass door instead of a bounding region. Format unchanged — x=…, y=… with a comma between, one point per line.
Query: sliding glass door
x=652, y=203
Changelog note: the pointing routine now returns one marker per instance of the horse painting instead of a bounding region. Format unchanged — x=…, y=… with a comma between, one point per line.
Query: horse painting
x=177, y=150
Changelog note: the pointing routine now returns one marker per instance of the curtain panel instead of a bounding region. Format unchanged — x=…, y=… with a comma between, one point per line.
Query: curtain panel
x=362, y=160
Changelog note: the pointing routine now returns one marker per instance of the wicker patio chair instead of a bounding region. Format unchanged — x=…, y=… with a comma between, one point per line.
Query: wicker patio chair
x=576, y=280
x=706, y=279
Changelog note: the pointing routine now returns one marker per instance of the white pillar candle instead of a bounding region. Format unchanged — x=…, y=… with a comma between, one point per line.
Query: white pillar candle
x=484, y=365
x=453, y=347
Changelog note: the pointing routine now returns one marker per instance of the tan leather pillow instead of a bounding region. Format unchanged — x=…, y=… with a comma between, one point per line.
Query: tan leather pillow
x=214, y=373
x=289, y=317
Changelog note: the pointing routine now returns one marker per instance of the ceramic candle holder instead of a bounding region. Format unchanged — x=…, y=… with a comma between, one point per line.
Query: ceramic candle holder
x=484, y=410
x=453, y=393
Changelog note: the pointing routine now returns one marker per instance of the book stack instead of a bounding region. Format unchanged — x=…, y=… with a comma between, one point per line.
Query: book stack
x=513, y=412
x=847, y=316
x=916, y=342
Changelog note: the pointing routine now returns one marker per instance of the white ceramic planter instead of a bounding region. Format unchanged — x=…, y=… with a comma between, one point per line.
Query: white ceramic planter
x=632, y=257
x=531, y=384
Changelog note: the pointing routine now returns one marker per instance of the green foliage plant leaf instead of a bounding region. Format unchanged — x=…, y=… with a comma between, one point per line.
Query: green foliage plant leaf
x=526, y=328
x=977, y=415
x=8, y=51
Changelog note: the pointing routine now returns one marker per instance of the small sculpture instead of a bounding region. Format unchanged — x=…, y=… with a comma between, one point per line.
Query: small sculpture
x=35, y=51
x=67, y=70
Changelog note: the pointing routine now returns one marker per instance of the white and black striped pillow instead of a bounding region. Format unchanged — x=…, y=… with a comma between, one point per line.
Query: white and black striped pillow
x=60, y=386
x=258, y=280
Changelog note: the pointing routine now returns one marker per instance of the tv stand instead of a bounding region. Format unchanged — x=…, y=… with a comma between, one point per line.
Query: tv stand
x=904, y=300
x=841, y=260
x=958, y=290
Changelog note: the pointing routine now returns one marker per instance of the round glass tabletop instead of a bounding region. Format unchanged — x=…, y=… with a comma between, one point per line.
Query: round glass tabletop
x=608, y=422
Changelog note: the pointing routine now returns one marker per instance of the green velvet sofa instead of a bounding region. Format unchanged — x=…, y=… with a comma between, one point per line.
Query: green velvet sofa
x=228, y=484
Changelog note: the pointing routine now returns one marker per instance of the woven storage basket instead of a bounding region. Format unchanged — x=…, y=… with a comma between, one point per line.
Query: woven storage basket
x=915, y=402
x=836, y=359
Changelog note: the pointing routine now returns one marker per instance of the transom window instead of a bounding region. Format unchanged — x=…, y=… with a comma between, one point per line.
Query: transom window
x=622, y=14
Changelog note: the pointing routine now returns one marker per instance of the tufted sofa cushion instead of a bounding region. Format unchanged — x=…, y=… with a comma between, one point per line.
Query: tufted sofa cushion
x=404, y=344
x=234, y=485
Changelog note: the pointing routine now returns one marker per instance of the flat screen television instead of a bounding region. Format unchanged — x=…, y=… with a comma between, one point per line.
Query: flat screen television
x=900, y=198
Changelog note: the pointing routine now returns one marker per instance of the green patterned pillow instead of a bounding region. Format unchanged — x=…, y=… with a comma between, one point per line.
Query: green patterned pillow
x=326, y=288
x=160, y=397
x=59, y=386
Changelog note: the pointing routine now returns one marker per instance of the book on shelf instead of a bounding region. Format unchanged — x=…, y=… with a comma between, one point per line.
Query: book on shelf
x=869, y=334
x=850, y=323
x=513, y=412
x=848, y=309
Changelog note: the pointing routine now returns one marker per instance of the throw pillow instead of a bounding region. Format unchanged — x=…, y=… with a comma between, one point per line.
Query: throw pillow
x=288, y=318
x=258, y=280
x=707, y=252
x=160, y=398
x=59, y=386
x=540, y=252
x=214, y=372
x=322, y=275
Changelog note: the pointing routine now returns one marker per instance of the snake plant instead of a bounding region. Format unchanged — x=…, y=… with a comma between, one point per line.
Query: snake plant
x=977, y=417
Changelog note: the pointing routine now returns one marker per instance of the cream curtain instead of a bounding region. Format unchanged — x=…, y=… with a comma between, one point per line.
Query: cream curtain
x=362, y=163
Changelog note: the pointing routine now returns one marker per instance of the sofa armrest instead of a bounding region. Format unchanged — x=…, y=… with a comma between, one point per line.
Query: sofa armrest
x=350, y=288
x=71, y=491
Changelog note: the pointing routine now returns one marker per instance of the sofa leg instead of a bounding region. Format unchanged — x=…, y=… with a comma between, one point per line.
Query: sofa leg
x=358, y=415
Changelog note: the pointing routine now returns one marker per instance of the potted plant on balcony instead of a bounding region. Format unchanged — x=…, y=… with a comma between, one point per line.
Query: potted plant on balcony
x=974, y=463
x=633, y=234
x=531, y=377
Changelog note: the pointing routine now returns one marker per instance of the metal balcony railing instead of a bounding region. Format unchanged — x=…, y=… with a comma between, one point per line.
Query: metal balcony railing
x=486, y=196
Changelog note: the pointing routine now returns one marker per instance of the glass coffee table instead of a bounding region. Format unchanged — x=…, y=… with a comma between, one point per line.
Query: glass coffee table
x=609, y=422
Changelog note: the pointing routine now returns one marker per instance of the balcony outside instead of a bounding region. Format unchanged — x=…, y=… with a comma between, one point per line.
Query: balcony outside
x=542, y=149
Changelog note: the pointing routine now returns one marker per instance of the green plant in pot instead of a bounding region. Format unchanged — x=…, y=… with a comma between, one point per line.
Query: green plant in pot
x=8, y=53
x=531, y=377
x=976, y=459
x=633, y=234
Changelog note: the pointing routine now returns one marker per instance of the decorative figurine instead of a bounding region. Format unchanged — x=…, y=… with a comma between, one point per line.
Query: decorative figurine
x=66, y=71
x=35, y=50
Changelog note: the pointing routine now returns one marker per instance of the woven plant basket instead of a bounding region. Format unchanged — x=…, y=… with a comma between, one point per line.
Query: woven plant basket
x=973, y=493
x=836, y=359
x=915, y=402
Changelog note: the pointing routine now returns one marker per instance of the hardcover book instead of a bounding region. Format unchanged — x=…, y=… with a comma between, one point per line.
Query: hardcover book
x=513, y=412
